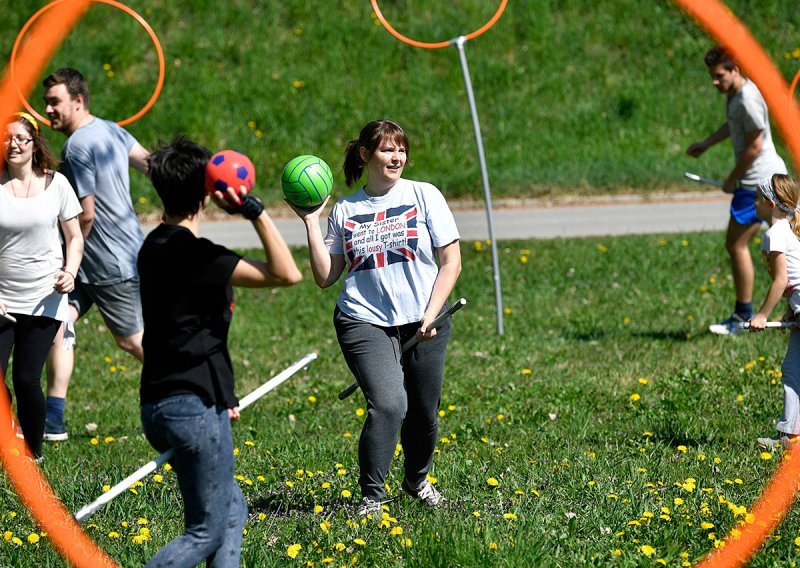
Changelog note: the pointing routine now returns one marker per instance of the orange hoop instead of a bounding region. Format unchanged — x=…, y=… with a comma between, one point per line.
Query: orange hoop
x=440, y=44
x=792, y=101
x=115, y=4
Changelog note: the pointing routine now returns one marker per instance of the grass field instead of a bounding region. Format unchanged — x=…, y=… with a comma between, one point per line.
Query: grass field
x=605, y=428
x=574, y=97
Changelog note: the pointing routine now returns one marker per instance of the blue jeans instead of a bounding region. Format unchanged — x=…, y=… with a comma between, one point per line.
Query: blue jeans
x=214, y=508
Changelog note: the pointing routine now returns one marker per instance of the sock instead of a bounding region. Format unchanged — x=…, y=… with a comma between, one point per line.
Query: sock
x=55, y=409
x=744, y=309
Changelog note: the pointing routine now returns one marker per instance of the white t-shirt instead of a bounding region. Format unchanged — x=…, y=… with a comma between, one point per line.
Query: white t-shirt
x=30, y=249
x=780, y=238
x=389, y=247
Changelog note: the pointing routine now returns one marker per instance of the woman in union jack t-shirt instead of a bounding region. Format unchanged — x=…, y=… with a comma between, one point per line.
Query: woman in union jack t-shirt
x=386, y=238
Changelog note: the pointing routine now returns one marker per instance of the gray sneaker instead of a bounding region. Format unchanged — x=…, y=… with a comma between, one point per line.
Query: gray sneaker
x=426, y=493
x=367, y=507
x=55, y=432
x=781, y=439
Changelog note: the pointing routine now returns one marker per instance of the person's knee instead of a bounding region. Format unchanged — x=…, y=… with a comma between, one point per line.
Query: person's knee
x=389, y=409
x=131, y=344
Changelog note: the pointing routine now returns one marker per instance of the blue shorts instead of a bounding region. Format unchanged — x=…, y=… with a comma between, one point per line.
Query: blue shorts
x=743, y=207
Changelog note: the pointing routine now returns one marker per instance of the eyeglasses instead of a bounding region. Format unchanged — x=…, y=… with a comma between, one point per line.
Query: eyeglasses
x=18, y=140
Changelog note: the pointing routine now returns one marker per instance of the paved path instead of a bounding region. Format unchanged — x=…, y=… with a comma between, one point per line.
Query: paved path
x=614, y=216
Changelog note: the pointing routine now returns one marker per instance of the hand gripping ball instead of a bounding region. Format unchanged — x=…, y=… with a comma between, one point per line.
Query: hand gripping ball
x=229, y=168
x=306, y=181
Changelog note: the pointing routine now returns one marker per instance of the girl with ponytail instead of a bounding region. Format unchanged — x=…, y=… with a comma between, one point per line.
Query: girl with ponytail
x=777, y=202
x=396, y=242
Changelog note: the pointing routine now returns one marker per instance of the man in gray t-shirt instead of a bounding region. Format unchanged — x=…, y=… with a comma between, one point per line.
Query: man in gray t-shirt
x=96, y=160
x=747, y=126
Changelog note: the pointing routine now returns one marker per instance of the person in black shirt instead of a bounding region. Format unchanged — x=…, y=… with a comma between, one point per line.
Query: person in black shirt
x=187, y=386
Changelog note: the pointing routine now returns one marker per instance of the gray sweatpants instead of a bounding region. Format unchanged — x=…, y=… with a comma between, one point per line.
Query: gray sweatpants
x=402, y=390
x=790, y=369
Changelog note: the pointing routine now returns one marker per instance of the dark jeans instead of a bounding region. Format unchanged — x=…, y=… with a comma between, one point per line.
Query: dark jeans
x=214, y=508
x=402, y=390
x=30, y=339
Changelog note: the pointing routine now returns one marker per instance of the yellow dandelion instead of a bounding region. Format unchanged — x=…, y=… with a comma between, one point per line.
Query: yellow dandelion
x=681, y=449
x=360, y=541
x=765, y=455
x=318, y=508
x=293, y=550
x=94, y=441
x=396, y=531
x=297, y=84
x=527, y=372
x=510, y=516
x=312, y=399
x=492, y=482
x=33, y=538
x=635, y=396
x=359, y=412
x=113, y=534
x=158, y=478
x=346, y=493
x=647, y=550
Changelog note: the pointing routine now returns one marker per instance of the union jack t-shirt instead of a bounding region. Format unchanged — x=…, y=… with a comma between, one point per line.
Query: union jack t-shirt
x=389, y=247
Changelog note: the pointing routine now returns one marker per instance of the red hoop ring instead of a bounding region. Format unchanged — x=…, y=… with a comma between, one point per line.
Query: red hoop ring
x=115, y=4
x=435, y=45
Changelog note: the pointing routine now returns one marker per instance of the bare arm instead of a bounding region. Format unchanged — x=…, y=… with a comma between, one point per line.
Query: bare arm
x=86, y=218
x=279, y=269
x=326, y=267
x=73, y=240
x=137, y=158
x=449, y=269
x=780, y=278
x=755, y=141
x=718, y=135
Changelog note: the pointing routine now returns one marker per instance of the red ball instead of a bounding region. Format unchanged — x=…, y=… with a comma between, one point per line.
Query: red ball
x=229, y=168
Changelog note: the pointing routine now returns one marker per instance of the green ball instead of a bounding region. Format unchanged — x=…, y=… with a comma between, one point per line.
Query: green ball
x=306, y=181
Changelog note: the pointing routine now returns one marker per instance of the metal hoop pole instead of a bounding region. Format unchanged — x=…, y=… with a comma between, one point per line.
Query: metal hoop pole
x=459, y=42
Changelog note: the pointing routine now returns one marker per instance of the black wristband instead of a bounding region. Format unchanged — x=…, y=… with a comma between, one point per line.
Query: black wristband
x=250, y=208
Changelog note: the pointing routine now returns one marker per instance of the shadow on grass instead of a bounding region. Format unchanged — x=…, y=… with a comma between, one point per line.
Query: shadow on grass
x=284, y=504
x=597, y=334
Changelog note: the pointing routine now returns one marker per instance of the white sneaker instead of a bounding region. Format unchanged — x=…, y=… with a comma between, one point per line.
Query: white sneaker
x=730, y=326
x=781, y=439
x=368, y=506
x=426, y=493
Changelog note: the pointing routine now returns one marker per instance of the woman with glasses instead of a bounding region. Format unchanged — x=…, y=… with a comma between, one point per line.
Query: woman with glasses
x=35, y=272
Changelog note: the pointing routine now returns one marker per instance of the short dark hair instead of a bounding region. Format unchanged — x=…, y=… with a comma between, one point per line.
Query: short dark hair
x=72, y=79
x=178, y=172
x=718, y=55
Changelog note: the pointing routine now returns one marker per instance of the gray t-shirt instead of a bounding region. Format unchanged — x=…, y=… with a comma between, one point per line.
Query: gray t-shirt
x=747, y=112
x=95, y=161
